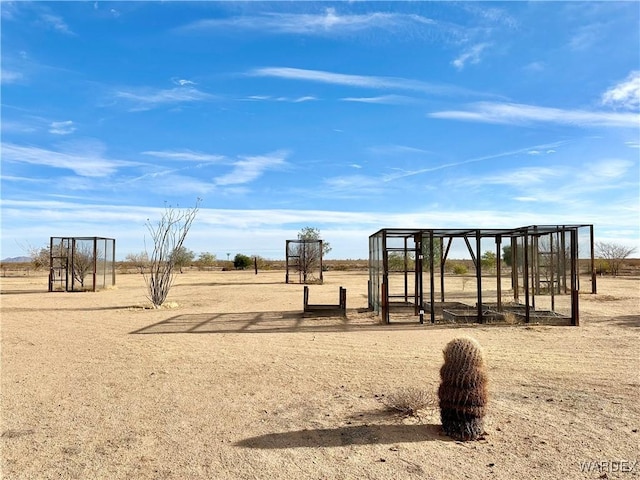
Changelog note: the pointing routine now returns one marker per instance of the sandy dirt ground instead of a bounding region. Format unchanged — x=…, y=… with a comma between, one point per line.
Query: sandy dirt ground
x=230, y=381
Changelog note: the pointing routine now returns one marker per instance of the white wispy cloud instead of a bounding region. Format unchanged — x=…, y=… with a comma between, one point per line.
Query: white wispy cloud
x=381, y=99
x=249, y=168
x=508, y=153
x=185, y=155
x=10, y=76
x=395, y=149
x=515, y=113
x=625, y=94
x=269, y=98
x=586, y=36
x=327, y=22
x=306, y=98
x=360, y=80
x=535, y=67
x=634, y=144
x=56, y=23
x=84, y=161
x=169, y=182
x=520, y=177
x=62, y=128
x=353, y=184
x=149, y=98
x=10, y=126
x=610, y=168
x=182, y=82
x=263, y=231
x=471, y=55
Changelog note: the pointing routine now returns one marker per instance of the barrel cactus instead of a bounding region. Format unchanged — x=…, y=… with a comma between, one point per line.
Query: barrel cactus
x=463, y=389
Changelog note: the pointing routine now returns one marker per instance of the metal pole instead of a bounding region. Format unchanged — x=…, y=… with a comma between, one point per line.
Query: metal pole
x=594, y=288
x=498, y=272
x=575, y=316
x=525, y=278
x=432, y=282
x=479, y=276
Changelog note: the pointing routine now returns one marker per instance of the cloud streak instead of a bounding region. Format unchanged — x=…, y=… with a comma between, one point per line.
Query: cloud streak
x=249, y=168
x=149, y=98
x=325, y=23
x=472, y=56
x=363, y=81
x=515, y=113
x=382, y=99
x=188, y=155
x=85, y=163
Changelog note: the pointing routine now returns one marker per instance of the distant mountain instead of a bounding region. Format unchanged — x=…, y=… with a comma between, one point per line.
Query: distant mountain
x=16, y=260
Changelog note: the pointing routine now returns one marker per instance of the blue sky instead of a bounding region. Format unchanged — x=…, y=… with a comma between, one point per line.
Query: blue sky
x=346, y=117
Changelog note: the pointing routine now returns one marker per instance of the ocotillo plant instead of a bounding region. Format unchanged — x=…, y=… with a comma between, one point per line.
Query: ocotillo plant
x=463, y=389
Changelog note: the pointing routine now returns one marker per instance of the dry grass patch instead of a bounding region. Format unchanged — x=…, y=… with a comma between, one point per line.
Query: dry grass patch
x=411, y=401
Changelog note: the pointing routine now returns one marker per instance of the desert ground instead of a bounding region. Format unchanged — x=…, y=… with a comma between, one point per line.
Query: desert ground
x=230, y=381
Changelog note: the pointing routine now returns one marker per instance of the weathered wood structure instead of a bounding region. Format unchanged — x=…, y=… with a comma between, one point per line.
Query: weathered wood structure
x=79, y=264
x=407, y=272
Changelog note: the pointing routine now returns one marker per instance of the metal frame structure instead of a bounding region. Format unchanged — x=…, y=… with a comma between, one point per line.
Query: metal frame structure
x=73, y=260
x=545, y=261
x=301, y=254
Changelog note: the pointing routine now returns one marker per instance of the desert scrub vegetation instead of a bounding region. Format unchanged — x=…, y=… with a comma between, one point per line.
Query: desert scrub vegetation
x=410, y=401
x=459, y=268
x=167, y=236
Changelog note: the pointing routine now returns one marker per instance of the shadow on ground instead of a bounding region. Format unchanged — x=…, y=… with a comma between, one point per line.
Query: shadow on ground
x=343, y=436
x=271, y=322
x=627, y=321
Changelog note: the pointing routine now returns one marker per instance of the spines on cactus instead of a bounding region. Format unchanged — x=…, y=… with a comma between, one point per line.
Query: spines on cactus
x=463, y=391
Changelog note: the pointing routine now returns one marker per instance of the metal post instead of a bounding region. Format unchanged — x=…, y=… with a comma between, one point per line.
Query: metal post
x=479, y=276
x=594, y=288
x=575, y=316
x=286, y=278
x=498, y=271
x=419, y=294
x=95, y=261
x=525, y=278
x=321, y=277
x=442, y=262
x=431, y=283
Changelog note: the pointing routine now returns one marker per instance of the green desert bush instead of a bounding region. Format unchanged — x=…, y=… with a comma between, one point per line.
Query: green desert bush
x=463, y=390
x=459, y=268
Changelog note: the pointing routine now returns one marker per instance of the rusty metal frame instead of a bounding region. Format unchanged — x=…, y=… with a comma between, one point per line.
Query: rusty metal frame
x=62, y=254
x=291, y=263
x=560, y=238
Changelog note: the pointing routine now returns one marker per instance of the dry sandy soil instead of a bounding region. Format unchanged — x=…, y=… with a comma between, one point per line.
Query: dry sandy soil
x=232, y=382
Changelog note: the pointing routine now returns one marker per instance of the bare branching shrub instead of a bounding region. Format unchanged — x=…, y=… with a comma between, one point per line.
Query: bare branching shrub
x=139, y=260
x=613, y=254
x=410, y=401
x=39, y=256
x=82, y=262
x=167, y=236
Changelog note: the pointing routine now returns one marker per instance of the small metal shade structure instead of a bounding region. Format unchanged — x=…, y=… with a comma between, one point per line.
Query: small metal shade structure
x=304, y=256
x=80, y=264
x=544, y=258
